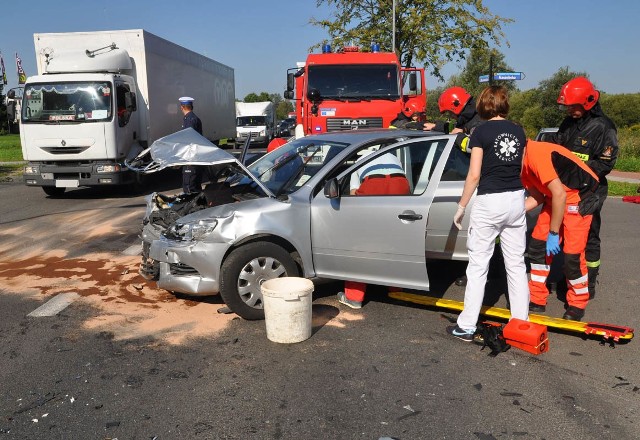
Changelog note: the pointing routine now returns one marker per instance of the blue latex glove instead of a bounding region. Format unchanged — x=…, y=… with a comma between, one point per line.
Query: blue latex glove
x=553, y=244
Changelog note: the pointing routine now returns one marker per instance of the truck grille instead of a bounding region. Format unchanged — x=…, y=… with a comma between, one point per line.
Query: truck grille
x=346, y=124
x=64, y=150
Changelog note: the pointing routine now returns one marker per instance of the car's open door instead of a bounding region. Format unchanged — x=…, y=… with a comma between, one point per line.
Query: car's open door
x=379, y=239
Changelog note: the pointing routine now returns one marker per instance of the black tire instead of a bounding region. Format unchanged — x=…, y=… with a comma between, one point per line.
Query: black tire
x=53, y=191
x=245, y=269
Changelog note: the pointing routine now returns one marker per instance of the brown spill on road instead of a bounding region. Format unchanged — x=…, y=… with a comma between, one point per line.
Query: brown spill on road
x=40, y=263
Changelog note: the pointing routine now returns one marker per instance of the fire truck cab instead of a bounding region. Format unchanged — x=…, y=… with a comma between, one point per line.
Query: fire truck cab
x=350, y=89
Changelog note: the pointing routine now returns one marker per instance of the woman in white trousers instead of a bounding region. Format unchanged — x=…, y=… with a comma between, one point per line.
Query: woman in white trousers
x=497, y=148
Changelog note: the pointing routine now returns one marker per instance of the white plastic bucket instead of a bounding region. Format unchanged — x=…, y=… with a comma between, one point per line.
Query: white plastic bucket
x=287, y=309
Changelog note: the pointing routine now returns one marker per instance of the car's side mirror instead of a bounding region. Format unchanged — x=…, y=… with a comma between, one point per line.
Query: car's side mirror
x=332, y=189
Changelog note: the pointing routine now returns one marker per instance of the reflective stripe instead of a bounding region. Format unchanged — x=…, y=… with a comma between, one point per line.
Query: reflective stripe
x=581, y=291
x=582, y=156
x=538, y=278
x=544, y=267
x=593, y=263
x=582, y=279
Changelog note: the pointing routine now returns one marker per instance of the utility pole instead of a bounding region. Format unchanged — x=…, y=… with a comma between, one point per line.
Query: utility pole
x=491, y=69
x=393, y=27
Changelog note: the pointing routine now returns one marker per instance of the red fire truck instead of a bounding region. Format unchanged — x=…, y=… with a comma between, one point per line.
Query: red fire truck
x=351, y=89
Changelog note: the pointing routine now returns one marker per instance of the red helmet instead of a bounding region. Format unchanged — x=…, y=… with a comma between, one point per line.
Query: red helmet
x=453, y=99
x=412, y=107
x=579, y=91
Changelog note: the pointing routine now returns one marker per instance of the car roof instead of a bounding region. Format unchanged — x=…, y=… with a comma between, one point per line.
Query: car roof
x=364, y=135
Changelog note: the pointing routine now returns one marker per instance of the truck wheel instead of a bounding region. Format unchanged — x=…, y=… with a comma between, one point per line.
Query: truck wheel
x=244, y=271
x=53, y=191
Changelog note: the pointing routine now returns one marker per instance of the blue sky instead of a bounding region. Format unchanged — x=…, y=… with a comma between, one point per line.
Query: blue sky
x=260, y=39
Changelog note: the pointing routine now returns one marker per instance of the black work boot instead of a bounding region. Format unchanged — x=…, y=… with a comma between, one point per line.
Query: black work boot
x=573, y=313
x=593, y=277
x=462, y=281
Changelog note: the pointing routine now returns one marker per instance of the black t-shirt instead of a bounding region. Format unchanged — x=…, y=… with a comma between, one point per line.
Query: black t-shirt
x=502, y=143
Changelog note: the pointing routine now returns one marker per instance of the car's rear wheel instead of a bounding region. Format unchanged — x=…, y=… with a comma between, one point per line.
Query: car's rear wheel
x=244, y=271
x=53, y=191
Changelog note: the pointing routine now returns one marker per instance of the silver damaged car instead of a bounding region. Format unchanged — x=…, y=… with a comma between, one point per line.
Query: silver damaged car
x=292, y=212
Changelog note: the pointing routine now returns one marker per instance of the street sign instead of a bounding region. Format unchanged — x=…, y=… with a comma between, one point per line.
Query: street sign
x=483, y=78
x=508, y=76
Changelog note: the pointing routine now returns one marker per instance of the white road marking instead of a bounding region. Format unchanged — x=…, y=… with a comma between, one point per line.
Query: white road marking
x=55, y=305
x=136, y=249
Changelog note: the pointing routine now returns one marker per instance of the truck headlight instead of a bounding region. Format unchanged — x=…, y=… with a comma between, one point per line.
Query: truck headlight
x=108, y=168
x=191, y=231
x=32, y=169
x=263, y=133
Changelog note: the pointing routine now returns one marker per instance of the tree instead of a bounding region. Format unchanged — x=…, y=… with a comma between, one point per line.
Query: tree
x=283, y=109
x=428, y=31
x=252, y=97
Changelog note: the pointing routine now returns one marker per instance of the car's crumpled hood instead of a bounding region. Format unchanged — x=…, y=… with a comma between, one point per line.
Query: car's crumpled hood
x=185, y=147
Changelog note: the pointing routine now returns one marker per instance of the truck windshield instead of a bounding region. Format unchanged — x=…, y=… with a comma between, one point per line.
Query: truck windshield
x=364, y=81
x=250, y=121
x=59, y=102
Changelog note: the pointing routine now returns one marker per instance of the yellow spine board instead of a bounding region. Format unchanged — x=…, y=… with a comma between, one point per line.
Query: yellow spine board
x=605, y=330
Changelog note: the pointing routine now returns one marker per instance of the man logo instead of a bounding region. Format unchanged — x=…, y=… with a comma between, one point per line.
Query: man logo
x=354, y=124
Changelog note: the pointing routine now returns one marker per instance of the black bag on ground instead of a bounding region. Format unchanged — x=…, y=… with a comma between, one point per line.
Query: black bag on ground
x=491, y=335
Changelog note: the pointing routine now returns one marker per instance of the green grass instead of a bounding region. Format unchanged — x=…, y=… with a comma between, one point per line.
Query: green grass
x=10, y=150
x=628, y=164
x=623, y=188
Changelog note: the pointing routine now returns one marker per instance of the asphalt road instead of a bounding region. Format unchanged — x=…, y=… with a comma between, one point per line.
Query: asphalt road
x=129, y=361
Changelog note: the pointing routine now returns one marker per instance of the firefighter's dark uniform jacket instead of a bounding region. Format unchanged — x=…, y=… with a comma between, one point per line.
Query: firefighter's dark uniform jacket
x=467, y=120
x=593, y=139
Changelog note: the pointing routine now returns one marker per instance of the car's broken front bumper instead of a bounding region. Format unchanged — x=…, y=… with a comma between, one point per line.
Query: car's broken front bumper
x=192, y=268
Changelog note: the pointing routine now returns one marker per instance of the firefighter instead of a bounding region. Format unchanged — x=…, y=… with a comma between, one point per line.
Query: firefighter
x=411, y=117
x=567, y=189
x=591, y=136
x=457, y=102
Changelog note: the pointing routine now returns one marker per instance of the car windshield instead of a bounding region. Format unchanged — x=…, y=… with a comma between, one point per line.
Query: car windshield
x=355, y=81
x=58, y=102
x=290, y=166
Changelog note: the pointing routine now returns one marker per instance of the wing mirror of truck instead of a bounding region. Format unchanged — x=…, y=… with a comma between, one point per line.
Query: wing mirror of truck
x=332, y=189
x=288, y=94
x=130, y=101
x=291, y=81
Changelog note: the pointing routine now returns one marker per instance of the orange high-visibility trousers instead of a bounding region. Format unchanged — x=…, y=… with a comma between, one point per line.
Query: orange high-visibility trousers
x=573, y=238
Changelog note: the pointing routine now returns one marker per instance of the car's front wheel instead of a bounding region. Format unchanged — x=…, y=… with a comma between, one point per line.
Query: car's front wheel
x=244, y=271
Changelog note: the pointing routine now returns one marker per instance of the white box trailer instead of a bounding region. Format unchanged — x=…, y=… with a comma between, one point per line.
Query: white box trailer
x=257, y=119
x=102, y=97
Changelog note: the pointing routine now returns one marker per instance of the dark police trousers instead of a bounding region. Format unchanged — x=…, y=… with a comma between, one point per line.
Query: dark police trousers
x=191, y=179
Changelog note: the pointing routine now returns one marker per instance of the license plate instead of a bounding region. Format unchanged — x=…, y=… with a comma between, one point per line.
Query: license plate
x=67, y=183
